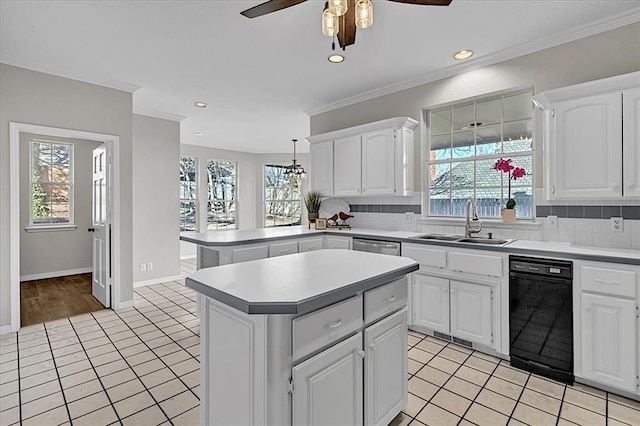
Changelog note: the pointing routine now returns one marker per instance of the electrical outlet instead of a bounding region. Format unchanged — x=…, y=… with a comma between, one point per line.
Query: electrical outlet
x=552, y=222
x=150, y=266
x=410, y=217
x=617, y=224
x=143, y=267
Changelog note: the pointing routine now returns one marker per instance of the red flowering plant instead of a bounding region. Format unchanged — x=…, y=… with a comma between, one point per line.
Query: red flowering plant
x=515, y=173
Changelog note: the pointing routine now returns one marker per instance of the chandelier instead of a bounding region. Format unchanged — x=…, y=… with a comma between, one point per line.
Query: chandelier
x=295, y=169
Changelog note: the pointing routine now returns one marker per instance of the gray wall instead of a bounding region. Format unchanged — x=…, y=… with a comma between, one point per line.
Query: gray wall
x=58, y=251
x=43, y=99
x=156, y=152
x=603, y=55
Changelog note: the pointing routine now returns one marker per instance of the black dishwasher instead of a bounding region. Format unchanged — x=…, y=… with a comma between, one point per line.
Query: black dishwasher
x=541, y=316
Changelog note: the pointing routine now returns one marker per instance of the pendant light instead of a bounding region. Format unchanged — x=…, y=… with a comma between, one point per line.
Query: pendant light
x=329, y=23
x=338, y=7
x=295, y=169
x=364, y=14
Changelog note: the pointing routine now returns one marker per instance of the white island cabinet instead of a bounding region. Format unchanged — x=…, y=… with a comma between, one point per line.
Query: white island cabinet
x=288, y=341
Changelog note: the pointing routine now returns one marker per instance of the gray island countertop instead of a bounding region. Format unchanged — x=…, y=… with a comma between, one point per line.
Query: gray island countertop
x=298, y=283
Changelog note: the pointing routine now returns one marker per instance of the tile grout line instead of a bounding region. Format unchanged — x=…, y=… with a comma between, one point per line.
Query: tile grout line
x=564, y=393
x=473, y=401
x=55, y=367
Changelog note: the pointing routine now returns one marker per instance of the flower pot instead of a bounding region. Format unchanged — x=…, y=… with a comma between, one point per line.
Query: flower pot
x=312, y=217
x=508, y=215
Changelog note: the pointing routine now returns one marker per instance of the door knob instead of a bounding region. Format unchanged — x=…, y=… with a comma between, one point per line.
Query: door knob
x=91, y=229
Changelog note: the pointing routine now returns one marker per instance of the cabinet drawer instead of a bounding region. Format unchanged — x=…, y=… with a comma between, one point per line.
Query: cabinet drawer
x=310, y=245
x=249, y=253
x=479, y=264
x=283, y=249
x=338, y=243
x=325, y=326
x=436, y=258
x=609, y=281
x=384, y=299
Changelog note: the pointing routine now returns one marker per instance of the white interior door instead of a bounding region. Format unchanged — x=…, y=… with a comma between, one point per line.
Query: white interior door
x=100, y=228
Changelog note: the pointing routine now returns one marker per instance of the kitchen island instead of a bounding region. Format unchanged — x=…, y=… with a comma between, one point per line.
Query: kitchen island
x=309, y=338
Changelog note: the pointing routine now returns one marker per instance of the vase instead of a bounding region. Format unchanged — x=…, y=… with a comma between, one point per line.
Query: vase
x=312, y=217
x=508, y=215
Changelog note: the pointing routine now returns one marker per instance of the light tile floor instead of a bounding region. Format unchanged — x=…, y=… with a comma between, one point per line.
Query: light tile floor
x=140, y=366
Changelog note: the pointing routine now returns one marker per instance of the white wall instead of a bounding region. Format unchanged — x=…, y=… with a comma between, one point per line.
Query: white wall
x=156, y=152
x=55, y=252
x=43, y=99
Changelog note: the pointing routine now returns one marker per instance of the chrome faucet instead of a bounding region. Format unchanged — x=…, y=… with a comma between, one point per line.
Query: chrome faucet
x=468, y=229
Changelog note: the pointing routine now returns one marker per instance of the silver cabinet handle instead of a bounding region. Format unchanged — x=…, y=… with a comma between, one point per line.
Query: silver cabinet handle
x=601, y=281
x=390, y=299
x=334, y=324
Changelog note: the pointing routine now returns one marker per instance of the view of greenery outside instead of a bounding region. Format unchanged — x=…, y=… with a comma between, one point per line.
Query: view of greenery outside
x=465, y=141
x=282, y=198
x=221, y=195
x=188, y=194
x=51, y=182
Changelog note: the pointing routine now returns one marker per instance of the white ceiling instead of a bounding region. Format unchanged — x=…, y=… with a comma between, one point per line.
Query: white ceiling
x=261, y=77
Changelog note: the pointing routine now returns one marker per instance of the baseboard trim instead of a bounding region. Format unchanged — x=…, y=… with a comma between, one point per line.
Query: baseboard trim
x=5, y=329
x=160, y=280
x=55, y=274
x=124, y=305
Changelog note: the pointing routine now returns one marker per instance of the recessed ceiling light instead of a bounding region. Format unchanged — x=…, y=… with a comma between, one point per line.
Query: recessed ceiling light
x=198, y=134
x=463, y=54
x=200, y=104
x=336, y=58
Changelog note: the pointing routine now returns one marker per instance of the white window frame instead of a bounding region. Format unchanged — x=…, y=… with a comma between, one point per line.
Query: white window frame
x=235, y=200
x=189, y=200
x=426, y=163
x=70, y=225
x=264, y=198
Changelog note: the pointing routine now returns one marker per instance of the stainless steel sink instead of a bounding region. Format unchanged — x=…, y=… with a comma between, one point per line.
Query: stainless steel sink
x=462, y=239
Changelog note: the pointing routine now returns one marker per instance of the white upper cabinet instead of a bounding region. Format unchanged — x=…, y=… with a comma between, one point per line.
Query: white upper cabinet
x=591, y=129
x=631, y=138
x=347, y=166
x=371, y=159
x=378, y=162
x=321, y=173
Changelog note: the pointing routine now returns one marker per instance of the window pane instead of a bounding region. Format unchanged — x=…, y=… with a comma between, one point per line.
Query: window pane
x=60, y=162
x=517, y=137
x=60, y=201
x=440, y=203
x=489, y=201
x=440, y=121
x=488, y=140
x=41, y=203
x=489, y=112
x=517, y=107
x=283, y=204
x=188, y=178
x=463, y=117
x=462, y=175
x=463, y=144
x=41, y=162
x=221, y=215
x=440, y=147
x=282, y=213
x=221, y=180
x=188, y=216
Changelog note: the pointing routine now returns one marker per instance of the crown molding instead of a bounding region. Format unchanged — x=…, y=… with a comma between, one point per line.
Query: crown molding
x=33, y=66
x=595, y=27
x=158, y=114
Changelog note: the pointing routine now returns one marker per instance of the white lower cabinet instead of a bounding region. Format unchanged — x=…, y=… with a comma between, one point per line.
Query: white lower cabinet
x=328, y=387
x=245, y=254
x=310, y=244
x=461, y=309
x=283, y=249
x=385, y=369
x=338, y=242
x=608, y=351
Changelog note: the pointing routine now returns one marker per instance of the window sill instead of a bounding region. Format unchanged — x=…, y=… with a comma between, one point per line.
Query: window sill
x=522, y=224
x=51, y=228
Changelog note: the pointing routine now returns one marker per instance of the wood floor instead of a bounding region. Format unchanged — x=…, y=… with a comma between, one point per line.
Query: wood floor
x=56, y=298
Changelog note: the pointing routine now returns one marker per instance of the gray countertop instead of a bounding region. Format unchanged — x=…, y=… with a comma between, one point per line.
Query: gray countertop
x=522, y=247
x=298, y=283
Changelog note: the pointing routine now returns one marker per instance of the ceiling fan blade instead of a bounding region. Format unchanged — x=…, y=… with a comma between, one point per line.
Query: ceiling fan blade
x=425, y=2
x=347, y=26
x=269, y=7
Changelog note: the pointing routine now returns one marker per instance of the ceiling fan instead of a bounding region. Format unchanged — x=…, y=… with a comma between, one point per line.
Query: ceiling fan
x=339, y=17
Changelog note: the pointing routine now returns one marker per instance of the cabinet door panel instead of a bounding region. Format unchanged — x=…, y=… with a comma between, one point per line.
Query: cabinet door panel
x=588, y=127
x=328, y=387
x=249, y=253
x=431, y=302
x=321, y=172
x=471, y=312
x=347, y=166
x=631, y=142
x=608, y=351
x=386, y=369
x=378, y=162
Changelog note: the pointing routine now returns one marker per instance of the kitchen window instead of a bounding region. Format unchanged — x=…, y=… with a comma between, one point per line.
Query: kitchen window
x=282, y=197
x=221, y=195
x=465, y=140
x=51, y=184
x=188, y=194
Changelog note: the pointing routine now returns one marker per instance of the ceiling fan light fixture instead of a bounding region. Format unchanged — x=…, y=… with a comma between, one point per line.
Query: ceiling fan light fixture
x=338, y=7
x=463, y=54
x=330, y=23
x=200, y=104
x=364, y=14
x=336, y=58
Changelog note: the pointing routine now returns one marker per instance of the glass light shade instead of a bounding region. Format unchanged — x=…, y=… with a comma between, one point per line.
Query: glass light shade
x=364, y=14
x=338, y=7
x=329, y=23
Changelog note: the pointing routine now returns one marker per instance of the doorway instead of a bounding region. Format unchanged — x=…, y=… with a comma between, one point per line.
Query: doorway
x=111, y=144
